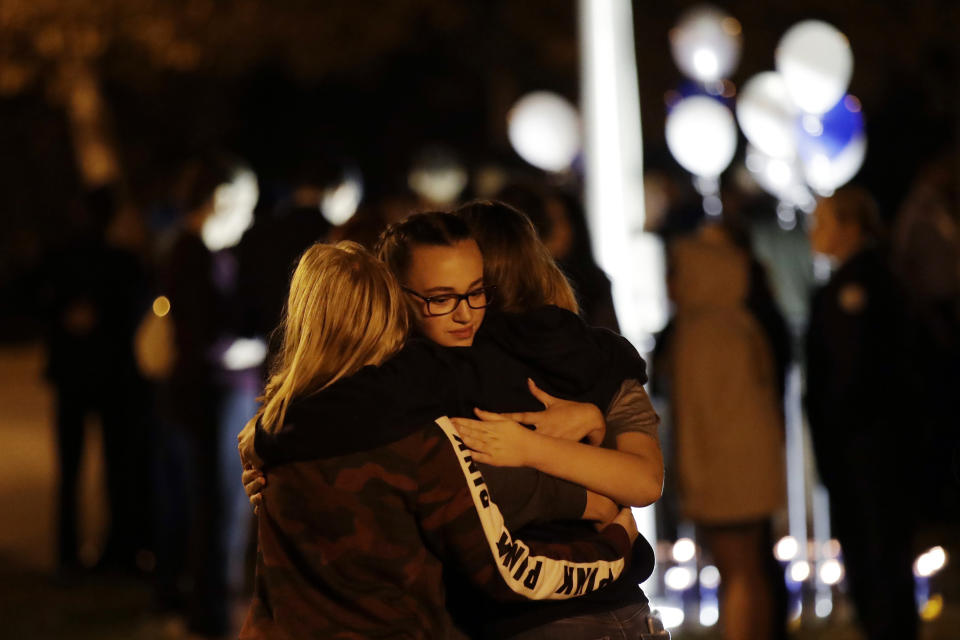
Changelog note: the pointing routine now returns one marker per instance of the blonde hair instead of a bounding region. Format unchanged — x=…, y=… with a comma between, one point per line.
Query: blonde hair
x=345, y=310
x=516, y=260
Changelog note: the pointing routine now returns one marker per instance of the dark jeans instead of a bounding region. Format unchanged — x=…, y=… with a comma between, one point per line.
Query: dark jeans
x=121, y=427
x=203, y=515
x=877, y=545
x=871, y=512
x=192, y=556
x=633, y=622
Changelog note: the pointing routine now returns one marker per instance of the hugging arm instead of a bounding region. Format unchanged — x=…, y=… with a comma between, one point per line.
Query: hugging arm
x=372, y=401
x=498, y=439
x=464, y=527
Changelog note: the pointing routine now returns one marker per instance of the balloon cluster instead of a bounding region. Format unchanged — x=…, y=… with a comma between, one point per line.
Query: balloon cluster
x=803, y=130
x=701, y=131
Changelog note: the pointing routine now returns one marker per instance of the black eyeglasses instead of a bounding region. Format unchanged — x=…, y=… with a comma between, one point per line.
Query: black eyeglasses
x=445, y=303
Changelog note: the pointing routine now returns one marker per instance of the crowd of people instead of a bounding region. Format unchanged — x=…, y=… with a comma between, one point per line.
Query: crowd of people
x=443, y=433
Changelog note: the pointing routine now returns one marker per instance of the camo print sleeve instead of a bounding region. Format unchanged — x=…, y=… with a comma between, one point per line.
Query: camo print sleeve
x=465, y=528
x=340, y=554
x=354, y=546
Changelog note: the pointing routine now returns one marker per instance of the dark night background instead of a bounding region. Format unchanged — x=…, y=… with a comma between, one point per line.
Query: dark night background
x=301, y=90
x=298, y=86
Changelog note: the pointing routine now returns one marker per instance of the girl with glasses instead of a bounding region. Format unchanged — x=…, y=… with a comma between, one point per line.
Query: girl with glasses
x=353, y=533
x=438, y=261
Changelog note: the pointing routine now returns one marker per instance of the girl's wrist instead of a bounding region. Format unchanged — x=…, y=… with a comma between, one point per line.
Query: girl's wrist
x=532, y=448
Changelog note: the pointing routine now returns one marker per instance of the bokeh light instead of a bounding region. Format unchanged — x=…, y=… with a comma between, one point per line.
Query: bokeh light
x=932, y=608
x=709, y=615
x=678, y=578
x=786, y=549
x=831, y=548
x=823, y=607
x=671, y=617
x=831, y=571
x=233, y=204
x=245, y=353
x=930, y=562
x=710, y=577
x=438, y=176
x=544, y=130
x=684, y=550
x=339, y=202
x=161, y=306
x=799, y=570
x=706, y=44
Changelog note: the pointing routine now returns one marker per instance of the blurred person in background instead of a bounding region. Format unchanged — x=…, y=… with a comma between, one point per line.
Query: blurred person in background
x=726, y=401
x=269, y=250
x=562, y=226
x=926, y=259
x=856, y=358
x=203, y=402
x=92, y=294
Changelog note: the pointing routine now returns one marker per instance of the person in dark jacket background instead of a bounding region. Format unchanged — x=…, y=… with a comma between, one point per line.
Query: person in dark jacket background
x=858, y=412
x=194, y=507
x=93, y=294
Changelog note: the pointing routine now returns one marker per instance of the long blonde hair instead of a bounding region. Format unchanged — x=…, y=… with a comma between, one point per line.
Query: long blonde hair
x=345, y=310
x=515, y=259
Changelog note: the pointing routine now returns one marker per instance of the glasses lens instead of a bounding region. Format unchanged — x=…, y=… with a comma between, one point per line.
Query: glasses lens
x=441, y=305
x=480, y=298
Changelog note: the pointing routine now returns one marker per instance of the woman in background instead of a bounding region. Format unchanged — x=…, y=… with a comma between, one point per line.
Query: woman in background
x=728, y=423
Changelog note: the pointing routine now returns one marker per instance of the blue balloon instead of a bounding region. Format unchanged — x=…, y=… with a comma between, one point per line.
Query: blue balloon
x=830, y=133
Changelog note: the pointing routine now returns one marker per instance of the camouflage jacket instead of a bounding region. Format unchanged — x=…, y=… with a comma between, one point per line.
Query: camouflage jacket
x=354, y=545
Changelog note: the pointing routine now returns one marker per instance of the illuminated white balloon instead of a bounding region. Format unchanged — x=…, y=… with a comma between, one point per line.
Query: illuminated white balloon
x=816, y=63
x=233, y=204
x=544, y=129
x=702, y=135
x=784, y=179
x=825, y=175
x=706, y=44
x=339, y=202
x=767, y=115
x=438, y=176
